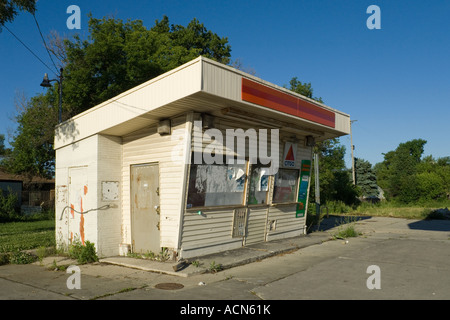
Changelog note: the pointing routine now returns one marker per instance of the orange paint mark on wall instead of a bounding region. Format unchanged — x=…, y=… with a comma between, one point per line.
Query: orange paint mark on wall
x=85, y=190
x=82, y=221
x=72, y=208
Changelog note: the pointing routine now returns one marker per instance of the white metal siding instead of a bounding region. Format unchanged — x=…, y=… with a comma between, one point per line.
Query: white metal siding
x=212, y=231
x=221, y=80
x=256, y=227
x=208, y=232
x=132, y=104
x=147, y=146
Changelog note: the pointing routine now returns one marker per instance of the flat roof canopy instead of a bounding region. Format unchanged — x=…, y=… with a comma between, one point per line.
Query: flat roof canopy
x=203, y=85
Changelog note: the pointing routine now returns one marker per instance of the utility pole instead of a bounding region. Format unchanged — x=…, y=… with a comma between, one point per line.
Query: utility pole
x=316, y=176
x=353, y=148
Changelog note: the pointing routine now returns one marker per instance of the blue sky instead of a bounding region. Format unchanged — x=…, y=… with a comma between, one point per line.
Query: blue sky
x=394, y=81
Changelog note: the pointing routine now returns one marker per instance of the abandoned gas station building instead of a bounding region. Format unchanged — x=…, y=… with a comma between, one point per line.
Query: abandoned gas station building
x=201, y=159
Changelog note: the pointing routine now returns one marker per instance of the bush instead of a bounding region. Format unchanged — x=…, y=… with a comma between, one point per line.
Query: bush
x=431, y=186
x=83, y=253
x=4, y=258
x=338, y=207
x=347, y=229
x=22, y=257
x=8, y=206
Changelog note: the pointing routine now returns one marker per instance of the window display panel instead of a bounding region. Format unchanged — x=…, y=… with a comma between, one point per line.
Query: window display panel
x=216, y=185
x=259, y=185
x=285, y=186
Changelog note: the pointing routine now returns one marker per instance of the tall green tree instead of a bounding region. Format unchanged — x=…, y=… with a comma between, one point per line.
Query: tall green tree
x=304, y=89
x=433, y=178
x=2, y=145
x=32, y=147
x=334, y=179
x=120, y=55
x=9, y=9
x=115, y=57
x=397, y=173
x=366, y=179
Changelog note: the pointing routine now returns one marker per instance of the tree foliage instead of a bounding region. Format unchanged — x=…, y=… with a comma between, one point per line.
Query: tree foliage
x=10, y=8
x=32, y=151
x=115, y=57
x=406, y=177
x=3, y=149
x=334, y=178
x=119, y=55
x=304, y=89
x=366, y=179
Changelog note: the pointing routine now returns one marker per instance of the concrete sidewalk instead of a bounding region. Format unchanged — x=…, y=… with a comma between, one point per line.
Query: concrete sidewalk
x=328, y=227
x=222, y=260
x=416, y=245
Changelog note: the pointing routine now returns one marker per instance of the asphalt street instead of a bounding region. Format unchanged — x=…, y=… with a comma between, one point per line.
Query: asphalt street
x=392, y=259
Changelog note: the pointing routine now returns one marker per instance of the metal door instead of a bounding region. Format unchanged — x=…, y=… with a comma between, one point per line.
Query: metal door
x=145, y=208
x=78, y=190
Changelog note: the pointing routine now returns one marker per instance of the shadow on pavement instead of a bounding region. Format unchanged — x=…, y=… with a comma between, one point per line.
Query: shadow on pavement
x=436, y=220
x=430, y=225
x=335, y=221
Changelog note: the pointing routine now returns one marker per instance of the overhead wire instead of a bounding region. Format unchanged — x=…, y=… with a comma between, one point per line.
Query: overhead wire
x=45, y=43
x=34, y=54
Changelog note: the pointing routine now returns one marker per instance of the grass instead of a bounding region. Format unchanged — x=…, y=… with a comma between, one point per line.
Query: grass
x=386, y=209
x=347, y=230
x=419, y=211
x=26, y=235
x=395, y=211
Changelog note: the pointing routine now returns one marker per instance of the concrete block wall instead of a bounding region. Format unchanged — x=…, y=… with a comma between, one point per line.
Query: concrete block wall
x=109, y=176
x=75, y=183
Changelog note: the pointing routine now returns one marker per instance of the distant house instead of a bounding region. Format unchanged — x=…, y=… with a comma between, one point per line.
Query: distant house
x=11, y=183
x=32, y=194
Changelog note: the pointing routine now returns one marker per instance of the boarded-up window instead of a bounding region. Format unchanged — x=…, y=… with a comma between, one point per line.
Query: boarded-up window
x=285, y=186
x=216, y=185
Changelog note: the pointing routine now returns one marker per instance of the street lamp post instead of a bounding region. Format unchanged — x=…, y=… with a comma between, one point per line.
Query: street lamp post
x=353, y=148
x=46, y=84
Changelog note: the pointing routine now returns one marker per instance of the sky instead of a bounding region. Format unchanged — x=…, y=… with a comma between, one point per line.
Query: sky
x=394, y=82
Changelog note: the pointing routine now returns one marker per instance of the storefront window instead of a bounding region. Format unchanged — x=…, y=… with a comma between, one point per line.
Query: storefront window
x=259, y=185
x=285, y=186
x=216, y=185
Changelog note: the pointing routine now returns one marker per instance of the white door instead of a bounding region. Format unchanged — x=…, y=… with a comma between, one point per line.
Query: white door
x=78, y=190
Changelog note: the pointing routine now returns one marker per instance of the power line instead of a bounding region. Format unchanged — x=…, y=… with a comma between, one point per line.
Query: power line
x=45, y=44
x=29, y=49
